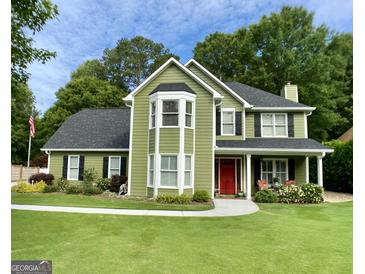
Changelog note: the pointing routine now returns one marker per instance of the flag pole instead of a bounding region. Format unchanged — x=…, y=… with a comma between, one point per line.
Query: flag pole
x=29, y=145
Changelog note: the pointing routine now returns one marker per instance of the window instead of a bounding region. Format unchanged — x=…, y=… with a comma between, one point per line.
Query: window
x=274, y=125
x=271, y=168
x=114, y=165
x=73, y=167
x=151, y=169
x=169, y=171
x=170, y=113
x=228, y=120
x=187, y=174
x=188, y=114
x=153, y=115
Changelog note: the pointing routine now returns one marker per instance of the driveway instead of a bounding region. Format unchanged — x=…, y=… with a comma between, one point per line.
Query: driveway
x=336, y=197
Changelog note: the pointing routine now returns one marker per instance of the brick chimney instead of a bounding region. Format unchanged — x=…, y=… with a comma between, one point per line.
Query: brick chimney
x=290, y=92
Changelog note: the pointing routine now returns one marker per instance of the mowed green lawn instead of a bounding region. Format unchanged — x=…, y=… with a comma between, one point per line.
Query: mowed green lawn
x=79, y=200
x=277, y=239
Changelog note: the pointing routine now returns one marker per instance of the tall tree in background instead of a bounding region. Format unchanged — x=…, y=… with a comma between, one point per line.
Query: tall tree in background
x=285, y=47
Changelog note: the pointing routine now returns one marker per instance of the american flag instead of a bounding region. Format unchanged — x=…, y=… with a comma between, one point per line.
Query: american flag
x=31, y=126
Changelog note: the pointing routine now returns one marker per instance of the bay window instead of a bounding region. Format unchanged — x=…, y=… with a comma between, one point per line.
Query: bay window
x=188, y=169
x=189, y=114
x=170, y=113
x=153, y=115
x=168, y=171
x=151, y=169
x=274, y=125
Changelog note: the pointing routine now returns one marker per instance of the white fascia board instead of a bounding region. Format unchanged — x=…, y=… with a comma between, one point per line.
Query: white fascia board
x=283, y=108
x=86, y=149
x=130, y=96
x=219, y=82
x=270, y=151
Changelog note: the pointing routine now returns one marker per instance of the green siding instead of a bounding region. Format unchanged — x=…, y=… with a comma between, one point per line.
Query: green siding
x=291, y=93
x=92, y=160
x=188, y=191
x=189, y=141
x=168, y=191
x=250, y=127
x=299, y=125
x=229, y=137
x=149, y=192
x=152, y=140
x=169, y=140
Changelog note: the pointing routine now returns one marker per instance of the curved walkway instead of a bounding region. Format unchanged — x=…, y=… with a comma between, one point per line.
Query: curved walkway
x=223, y=208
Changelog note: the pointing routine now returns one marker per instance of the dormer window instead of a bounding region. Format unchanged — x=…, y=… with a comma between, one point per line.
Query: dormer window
x=170, y=113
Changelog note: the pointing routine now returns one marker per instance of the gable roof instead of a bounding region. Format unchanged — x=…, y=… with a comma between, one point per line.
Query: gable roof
x=93, y=129
x=261, y=99
x=217, y=81
x=347, y=136
x=173, y=87
x=169, y=62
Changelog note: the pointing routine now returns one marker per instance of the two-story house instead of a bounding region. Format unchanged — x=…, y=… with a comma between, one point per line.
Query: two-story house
x=186, y=130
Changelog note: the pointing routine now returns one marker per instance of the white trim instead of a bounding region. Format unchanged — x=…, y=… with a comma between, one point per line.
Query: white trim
x=233, y=110
x=86, y=149
x=305, y=126
x=319, y=171
x=307, y=169
x=181, y=157
x=283, y=108
x=68, y=167
x=130, y=154
x=113, y=156
x=274, y=166
x=248, y=177
x=49, y=162
x=243, y=123
x=214, y=109
x=157, y=149
x=273, y=119
x=219, y=82
x=172, y=60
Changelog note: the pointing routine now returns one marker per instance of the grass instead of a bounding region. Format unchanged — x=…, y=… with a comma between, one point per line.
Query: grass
x=277, y=239
x=60, y=199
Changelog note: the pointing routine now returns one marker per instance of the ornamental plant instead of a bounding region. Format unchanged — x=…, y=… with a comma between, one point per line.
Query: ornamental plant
x=307, y=193
x=265, y=196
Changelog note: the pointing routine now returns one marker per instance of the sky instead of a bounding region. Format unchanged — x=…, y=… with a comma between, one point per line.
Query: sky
x=85, y=28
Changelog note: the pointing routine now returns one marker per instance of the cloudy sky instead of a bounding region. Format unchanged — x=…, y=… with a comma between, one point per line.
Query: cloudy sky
x=85, y=28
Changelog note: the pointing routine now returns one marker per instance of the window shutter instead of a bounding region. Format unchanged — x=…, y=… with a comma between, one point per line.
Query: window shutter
x=123, y=166
x=290, y=125
x=257, y=123
x=218, y=123
x=81, y=168
x=105, y=166
x=64, y=167
x=238, y=123
x=256, y=170
x=291, y=168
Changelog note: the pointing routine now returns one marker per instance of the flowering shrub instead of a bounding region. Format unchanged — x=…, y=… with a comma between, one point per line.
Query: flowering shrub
x=307, y=193
x=26, y=187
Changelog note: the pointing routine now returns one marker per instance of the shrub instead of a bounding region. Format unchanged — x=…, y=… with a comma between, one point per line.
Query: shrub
x=201, y=196
x=265, y=196
x=25, y=187
x=91, y=190
x=173, y=199
x=74, y=189
x=62, y=184
x=51, y=188
x=307, y=193
x=116, y=182
x=89, y=175
x=103, y=183
x=47, y=178
x=313, y=194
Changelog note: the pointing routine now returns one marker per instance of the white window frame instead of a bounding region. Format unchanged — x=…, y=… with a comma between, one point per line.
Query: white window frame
x=149, y=184
x=168, y=170
x=68, y=167
x=191, y=114
x=154, y=114
x=190, y=170
x=233, y=110
x=273, y=160
x=109, y=161
x=171, y=113
x=274, y=125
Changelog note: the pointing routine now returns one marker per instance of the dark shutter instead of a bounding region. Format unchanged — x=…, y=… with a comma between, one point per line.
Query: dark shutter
x=218, y=123
x=105, y=166
x=64, y=167
x=238, y=123
x=81, y=168
x=290, y=125
x=291, y=168
x=256, y=170
x=123, y=166
x=257, y=123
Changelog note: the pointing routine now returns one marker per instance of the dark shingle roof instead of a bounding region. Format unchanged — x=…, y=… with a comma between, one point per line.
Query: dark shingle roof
x=279, y=143
x=261, y=98
x=102, y=128
x=172, y=87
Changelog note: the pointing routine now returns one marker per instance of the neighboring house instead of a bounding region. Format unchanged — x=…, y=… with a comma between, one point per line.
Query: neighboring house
x=185, y=130
x=347, y=136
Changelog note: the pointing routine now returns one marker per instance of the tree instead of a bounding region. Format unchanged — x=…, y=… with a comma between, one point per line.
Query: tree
x=28, y=15
x=286, y=47
x=90, y=68
x=132, y=61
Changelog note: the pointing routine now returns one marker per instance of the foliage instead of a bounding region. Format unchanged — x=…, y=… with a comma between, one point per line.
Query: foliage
x=313, y=194
x=51, y=188
x=265, y=196
x=91, y=190
x=25, y=187
x=307, y=193
x=201, y=196
x=28, y=16
x=39, y=161
x=47, y=178
x=103, y=183
x=173, y=199
x=74, y=188
x=90, y=68
x=286, y=46
x=116, y=182
x=62, y=184
x=90, y=175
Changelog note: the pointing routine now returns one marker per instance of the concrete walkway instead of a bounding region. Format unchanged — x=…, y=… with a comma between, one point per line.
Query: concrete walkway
x=223, y=208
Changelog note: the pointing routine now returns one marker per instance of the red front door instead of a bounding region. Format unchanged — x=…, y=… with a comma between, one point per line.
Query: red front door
x=227, y=172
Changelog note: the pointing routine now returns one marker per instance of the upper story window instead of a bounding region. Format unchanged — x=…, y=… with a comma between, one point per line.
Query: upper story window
x=170, y=113
x=274, y=125
x=153, y=115
x=189, y=114
x=228, y=121
x=73, y=167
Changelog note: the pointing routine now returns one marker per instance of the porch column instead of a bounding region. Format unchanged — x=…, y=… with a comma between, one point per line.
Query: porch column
x=319, y=170
x=248, y=177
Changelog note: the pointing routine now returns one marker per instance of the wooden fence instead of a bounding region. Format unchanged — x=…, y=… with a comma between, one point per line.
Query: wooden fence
x=22, y=173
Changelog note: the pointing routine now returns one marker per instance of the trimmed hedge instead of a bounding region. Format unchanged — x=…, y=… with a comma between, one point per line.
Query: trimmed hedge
x=201, y=196
x=173, y=199
x=47, y=178
x=307, y=193
x=265, y=196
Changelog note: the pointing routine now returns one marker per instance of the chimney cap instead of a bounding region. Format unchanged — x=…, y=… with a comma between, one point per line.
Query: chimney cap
x=288, y=83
